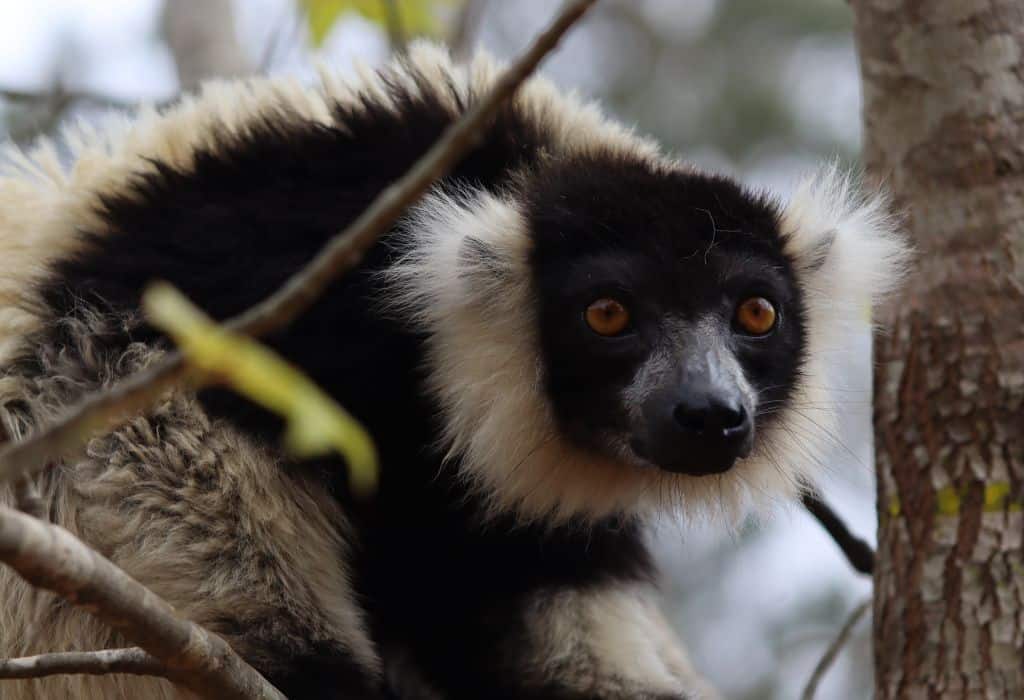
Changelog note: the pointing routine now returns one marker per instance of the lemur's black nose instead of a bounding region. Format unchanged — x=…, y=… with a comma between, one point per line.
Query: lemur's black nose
x=697, y=430
x=709, y=415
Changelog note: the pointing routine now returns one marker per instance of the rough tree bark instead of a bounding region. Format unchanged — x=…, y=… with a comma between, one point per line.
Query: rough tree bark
x=944, y=117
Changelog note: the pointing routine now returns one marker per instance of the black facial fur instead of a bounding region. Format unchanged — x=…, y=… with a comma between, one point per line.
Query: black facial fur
x=680, y=251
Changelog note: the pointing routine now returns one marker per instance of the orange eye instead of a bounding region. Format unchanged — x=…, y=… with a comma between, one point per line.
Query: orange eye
x=607, y=317
x=756, y=316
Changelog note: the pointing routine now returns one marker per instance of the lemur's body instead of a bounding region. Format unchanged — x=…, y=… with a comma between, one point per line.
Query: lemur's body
x=517, y=566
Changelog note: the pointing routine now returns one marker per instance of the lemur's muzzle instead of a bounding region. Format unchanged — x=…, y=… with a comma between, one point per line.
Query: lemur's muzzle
x=696, y=429
x=698, y=421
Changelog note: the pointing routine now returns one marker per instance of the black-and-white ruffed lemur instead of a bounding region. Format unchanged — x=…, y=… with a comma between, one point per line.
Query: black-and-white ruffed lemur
x=568, y=335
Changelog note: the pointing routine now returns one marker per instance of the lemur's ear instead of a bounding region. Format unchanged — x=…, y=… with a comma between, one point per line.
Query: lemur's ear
x=847, y=247
x=460, y=253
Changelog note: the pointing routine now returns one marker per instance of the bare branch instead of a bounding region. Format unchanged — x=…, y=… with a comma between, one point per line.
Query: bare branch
x=59, y=96
x=834, y=648
x=96, y=663
x=343, y=252
x=50, y=557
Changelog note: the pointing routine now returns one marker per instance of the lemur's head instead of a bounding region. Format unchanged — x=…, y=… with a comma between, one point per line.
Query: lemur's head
x=612, y=334
x=612, y=331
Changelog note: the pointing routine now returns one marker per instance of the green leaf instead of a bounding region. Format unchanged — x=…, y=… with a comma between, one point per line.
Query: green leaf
x=321, y=15
x=417, y=17
x=316, y=424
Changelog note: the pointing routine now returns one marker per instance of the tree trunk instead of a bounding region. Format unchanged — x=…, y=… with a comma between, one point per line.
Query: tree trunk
x=944, y=119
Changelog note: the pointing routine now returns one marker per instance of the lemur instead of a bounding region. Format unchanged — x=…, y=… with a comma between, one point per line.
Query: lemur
x=570, y=336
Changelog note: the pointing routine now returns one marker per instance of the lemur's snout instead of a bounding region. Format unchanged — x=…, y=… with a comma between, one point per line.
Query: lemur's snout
x=697, y=429
x=712, y=417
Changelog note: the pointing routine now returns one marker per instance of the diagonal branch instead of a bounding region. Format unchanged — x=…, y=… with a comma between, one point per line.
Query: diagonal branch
x=102, y=411
x=96, y=663
x=59, y=97
x=833, y=649
x=50, y=557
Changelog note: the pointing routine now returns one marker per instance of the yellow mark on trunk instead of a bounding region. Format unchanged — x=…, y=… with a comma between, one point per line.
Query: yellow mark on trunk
x=998, y=499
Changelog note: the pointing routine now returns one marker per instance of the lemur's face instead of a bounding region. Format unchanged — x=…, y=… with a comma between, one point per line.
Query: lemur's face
x=671, y=323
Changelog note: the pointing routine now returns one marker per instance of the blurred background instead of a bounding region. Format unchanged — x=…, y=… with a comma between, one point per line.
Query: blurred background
x=763, y=91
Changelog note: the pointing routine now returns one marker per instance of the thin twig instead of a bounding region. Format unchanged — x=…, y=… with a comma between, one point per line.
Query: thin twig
x=834, y=648
x=61, y=96
x=50, y=557
x=858, y=552
x=132, y=660
x=343, y=252
x=396, y=28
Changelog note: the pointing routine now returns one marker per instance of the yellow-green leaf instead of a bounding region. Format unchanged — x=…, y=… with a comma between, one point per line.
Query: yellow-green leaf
x=321, y=15
x=417, y=17
x=316, y=424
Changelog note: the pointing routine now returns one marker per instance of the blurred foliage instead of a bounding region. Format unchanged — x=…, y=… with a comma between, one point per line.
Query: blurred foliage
x=796, y=18
x=732, y=69
x=417, y=17
x=316, y=424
